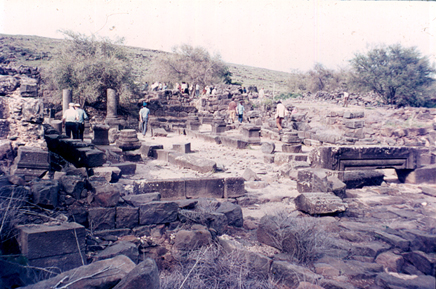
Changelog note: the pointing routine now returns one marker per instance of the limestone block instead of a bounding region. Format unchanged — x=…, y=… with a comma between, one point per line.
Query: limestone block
x=144, y=275
x=268, y=147
x=101, y=218
x=126, y=217
x=284, y=158
x=198, y=164
x=37, y=241
x=320, y=203
x=158, y=213
x=141, y=199
x=125, y=248
x=204, y=188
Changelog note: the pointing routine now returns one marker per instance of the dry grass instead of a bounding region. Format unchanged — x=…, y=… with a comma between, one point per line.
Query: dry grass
x=212, y=267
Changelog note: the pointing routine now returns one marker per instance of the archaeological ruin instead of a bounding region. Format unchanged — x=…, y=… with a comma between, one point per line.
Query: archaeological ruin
x=344, y=197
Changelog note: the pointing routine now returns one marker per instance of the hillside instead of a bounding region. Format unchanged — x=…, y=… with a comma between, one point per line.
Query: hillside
x=38, y=52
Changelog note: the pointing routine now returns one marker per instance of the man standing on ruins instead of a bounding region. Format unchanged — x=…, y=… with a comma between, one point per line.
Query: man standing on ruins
x=232, y=111
x=143, y=118
x=81, y=121
x=69, y=119
x=281, y=112
x=240, y=109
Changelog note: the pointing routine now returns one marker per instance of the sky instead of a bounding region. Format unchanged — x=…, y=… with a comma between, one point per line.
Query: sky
x=280, y=35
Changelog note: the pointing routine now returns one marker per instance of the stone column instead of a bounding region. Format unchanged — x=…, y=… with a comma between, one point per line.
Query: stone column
x=112, y=104
x=67, y=97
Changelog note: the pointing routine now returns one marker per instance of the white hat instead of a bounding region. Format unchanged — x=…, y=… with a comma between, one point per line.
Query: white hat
x=71, y=104
x=77, y=105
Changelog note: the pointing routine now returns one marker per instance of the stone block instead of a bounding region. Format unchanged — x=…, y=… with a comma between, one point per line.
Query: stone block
x=288, y=148
x=122, y=248
x=421, y=175
x=126, y=217
x=234, y=187
x=293, y=274
x=144, y=275
x=159, y=132
x=360, y=178
x=106, y=196
x=162, y=155
x=90, y=157
x=386, y=280
x=126, y=168
x=354, y=114
x=72, y=185
x=45, y=193
x=204, y=188
x=32, y=158
x=320, y=203
x=268, y=147
x=354, y=123
x=233, y=142
x=195, y=163
x=390, y=261
x=168, y=189
x=149, y=150
x=285, y=158
x=101, y=135
x=233, y=213
x=101, y=218
x=62, y=262
x=422, y=261
x=40, y=241
x=158, y=213
x=110, y=174
x=268, y=158
x=183, y=148
x=191, y=240
x=394, y=240
x=141, y=199
x=251, y=134
x=312, y=142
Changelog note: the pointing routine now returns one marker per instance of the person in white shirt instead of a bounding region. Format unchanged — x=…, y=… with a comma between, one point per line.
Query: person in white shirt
x=281, y=112
x=69, y=119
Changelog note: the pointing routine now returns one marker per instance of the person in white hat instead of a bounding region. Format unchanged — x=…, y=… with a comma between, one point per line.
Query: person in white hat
x=69, y=119
x=80, y=121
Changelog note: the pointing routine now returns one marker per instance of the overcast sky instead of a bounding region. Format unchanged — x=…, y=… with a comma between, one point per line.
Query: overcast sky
x=279, y=35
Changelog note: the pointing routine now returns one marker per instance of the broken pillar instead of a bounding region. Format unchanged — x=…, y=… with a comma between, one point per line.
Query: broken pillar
x=67, y=97
x=218, y=126
x=30, y=163
x=128, y=140
x=111, y=109
x=101, y=134
x=193, y=123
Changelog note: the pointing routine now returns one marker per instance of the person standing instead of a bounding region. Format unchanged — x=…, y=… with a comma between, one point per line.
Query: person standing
x=69, y=119
x=346, y=96
x=197, y=90
x=261, y=93
x=143, y=118
x=232, y=111
x=281, y=112
x=82, y=116
x=240, y=109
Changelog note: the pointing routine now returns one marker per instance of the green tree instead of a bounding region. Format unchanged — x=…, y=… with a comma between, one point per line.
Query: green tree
x=90, y=66
x=399, y=75
x=191, y=64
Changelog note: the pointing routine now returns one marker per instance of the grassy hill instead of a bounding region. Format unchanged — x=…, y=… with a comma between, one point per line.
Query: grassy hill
x=38, y=52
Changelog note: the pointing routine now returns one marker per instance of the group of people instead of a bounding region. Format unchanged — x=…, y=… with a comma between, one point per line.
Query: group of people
x=236, y=109
x=74, y=120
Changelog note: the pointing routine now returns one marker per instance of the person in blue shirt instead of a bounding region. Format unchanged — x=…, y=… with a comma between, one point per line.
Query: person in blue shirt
x=143, y=118
x=240, y=111
x=82, y=116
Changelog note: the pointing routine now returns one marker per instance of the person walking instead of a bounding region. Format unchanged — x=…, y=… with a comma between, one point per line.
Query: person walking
x=232, y=111
x=240, y=109
x=69, y=119
x=82, y=116
x=143, y=118
x=281, y=112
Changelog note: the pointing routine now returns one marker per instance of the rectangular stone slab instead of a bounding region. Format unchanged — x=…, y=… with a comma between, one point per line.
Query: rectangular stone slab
x=39, y=241
x=204, y=188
